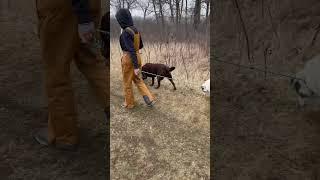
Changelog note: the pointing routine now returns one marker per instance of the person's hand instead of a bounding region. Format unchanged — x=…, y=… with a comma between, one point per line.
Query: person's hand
x=136, y=72
x=86, y=32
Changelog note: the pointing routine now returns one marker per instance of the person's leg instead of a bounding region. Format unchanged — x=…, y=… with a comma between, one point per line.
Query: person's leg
x=58, y=34
x=97, y=74
x=143, y=89
x=128, y=75
x=94, y=68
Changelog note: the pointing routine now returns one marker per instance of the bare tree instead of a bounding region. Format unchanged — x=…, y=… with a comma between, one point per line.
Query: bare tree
x=144, y=6
x=186, y=19
x=196, y=13
x=171, y=11
x=181, y=10
x=207, y=9
x=117, y=4
x=131, y=4
x=155, y=10
x=186, y=12
x=171, y=18
x=177, y=11
x=161, y=13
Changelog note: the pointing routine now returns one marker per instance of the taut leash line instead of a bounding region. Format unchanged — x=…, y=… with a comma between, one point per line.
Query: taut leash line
x=257, y=69
x=156, y=75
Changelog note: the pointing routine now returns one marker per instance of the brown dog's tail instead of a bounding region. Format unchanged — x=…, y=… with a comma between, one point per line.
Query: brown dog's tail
x=172, y=68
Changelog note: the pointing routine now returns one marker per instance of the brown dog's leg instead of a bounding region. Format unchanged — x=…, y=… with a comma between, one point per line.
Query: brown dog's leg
x=159, y=79
x=173, y=84
x=152, y=81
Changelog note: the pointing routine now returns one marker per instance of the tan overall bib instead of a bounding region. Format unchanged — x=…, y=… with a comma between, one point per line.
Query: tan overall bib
x=129, y=76
x=60, y=46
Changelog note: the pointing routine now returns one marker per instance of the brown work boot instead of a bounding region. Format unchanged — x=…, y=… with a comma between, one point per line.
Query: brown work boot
x=42, y=138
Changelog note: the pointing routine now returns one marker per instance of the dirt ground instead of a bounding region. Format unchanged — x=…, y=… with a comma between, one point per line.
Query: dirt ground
x=168, y=141
x=23, y=109
x=258, y=131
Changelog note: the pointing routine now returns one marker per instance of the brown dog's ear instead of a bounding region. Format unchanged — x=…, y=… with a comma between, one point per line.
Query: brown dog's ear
x=171, y=69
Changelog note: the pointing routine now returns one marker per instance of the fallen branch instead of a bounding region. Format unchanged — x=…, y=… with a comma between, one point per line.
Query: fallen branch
x=315, y=36
x=313, y=41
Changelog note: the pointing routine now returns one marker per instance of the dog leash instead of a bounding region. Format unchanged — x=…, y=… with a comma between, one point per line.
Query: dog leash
x=156, y=75
x=257, y=69
x=260, y=70
x=108, y=33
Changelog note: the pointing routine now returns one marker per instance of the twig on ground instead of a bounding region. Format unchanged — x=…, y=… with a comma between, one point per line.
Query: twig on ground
x=245, y=32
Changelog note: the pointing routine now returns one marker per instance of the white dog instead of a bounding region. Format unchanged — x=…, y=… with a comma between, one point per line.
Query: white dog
x=206, y=87
x=307, y=84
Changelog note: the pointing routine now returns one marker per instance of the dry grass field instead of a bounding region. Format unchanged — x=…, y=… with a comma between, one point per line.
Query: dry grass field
x=170, y=140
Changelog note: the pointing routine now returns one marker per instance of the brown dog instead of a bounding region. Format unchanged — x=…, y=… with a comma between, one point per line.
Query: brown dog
x=152, y=70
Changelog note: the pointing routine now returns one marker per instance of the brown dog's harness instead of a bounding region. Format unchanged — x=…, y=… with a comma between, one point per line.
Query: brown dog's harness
x=136, y=46
x=136, y=38
x=136, y=41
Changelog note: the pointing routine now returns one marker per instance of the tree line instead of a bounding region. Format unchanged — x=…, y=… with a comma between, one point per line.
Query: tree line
x=171, y=12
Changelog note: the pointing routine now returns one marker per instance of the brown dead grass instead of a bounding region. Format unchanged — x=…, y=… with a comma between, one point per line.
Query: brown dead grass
x=190, y=59
x=171, y=140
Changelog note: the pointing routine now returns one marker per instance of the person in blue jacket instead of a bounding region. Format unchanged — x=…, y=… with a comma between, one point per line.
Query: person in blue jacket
x=131, y=43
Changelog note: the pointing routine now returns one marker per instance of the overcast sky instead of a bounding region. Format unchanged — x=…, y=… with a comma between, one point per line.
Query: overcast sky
x=138, y=12
x=134, y=12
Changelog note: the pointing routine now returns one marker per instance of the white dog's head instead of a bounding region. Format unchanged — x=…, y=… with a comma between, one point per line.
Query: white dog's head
x=206, y=87
x=300, y=86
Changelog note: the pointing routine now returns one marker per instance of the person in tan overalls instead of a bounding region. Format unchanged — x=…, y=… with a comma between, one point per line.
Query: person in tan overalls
x=131, y=43
x=67, y=31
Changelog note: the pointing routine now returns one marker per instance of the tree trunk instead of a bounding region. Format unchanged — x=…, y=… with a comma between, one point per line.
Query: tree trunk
x=181, y=10
x=145, y=14
x=197, y=9
x=161, y=13
x=177, y=11
x=171, y=11
x=208, y=8
x=186, y=20
x=186, y=12
x=155, y=11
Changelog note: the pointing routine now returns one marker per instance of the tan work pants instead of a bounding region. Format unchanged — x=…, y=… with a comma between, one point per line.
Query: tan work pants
x=129, y=77
x=60, y=45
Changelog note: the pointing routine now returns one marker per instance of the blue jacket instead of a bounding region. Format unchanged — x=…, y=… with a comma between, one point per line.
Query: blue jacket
x=124, y=18
x=81, y=9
